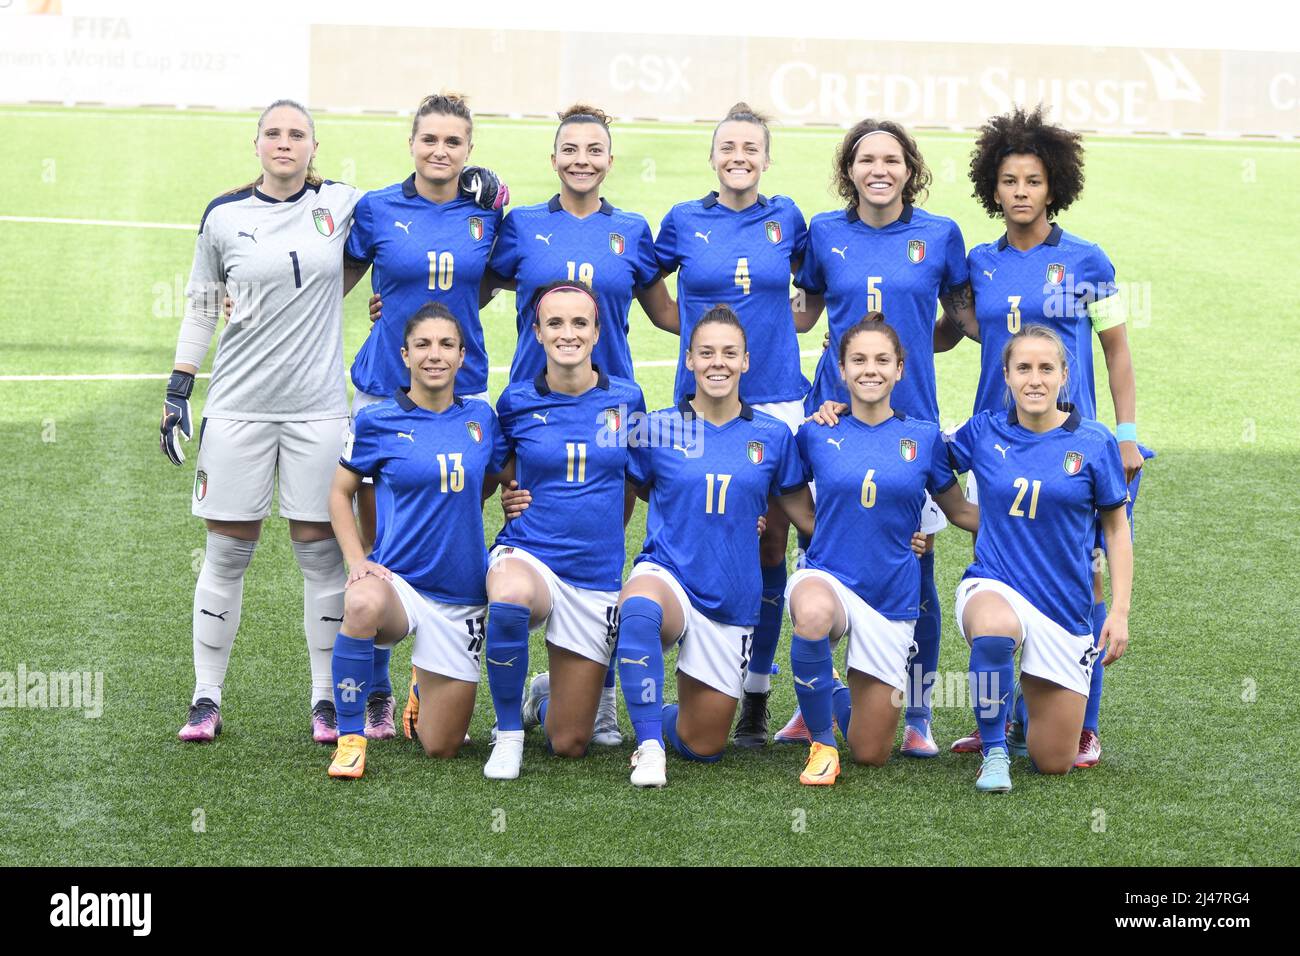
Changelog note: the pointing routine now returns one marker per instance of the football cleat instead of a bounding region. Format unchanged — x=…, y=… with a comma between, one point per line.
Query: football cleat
x=412, y=709
x=995, y=772
x=751, y=728
x=349, y=761
x=507, y=756
x=379, y=717
x=538, y=690
x=203, y=723
x=649, y=765
x=606, y=732
x=972, y=742
x=324, y=723
x=917, y=739
x=795, y=731
x=1017, y=742
x=822, y=767
x=1089, y=749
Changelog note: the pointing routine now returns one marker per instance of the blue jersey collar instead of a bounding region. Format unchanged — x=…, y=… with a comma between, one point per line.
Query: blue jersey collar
x=684, y=406
x=408, y=187
x=1053, y=238
x=1070, y=424
x=554, y=205
x=294, y=198
x=711, y=200
x=403, y=400
x=539, y=383
x=851, y=214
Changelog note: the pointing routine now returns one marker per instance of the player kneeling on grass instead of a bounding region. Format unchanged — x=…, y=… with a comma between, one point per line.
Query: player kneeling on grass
x=560, y=562
x=434, y=457
x=860, y=579
x=709, y=468
x=1045, y=474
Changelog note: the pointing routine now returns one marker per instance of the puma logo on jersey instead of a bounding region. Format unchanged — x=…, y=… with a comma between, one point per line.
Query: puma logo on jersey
x=1003, y=450
x=807, y=683
x=840, y=252
x=546, y=238
x=249, y=235
x=988, y=273
x=641, y=661
x=219, y=617
x=684, y=451
x=837, y=442
x=509, y=663
x=540, y=417
x=409, y=436
x=704, y=235
x=404, y=226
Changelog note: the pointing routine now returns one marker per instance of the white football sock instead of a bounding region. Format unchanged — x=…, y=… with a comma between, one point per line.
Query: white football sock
x=218, y=599
x=323, y=576
x=758, y=683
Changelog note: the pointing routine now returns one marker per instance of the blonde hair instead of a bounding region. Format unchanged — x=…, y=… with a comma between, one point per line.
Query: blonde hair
x=1032, y=331
x=313, y=177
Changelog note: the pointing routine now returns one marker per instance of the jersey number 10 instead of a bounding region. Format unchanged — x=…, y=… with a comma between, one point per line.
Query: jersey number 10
x=442, y=268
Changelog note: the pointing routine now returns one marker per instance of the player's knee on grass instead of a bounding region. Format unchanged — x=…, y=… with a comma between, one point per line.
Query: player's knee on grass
x=1053, y=762
x=363, y=607
x=569, y=744
x=870, y=754
x=441, y=746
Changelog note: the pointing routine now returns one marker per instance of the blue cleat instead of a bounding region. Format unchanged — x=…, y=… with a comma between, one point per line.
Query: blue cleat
x=995, y=772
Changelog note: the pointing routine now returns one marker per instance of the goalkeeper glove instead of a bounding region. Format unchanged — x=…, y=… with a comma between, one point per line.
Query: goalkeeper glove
x=482, y=185
x=176, y=416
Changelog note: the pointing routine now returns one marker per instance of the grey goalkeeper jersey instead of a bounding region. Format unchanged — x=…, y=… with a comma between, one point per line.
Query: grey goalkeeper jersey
x=280, y=357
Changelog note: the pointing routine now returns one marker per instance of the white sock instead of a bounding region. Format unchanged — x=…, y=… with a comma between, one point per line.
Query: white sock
x=758, y=683
x=324, y=576
x=218, y=600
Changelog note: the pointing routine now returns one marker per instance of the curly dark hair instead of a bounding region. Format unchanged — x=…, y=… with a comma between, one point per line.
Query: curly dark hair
x=918, y=182
x=1027, y=133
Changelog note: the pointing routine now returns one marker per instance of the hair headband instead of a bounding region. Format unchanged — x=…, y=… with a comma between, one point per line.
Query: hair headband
x=537, y=311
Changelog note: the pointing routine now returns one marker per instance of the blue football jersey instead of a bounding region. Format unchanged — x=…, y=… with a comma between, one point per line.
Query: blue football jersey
x=708, y=486
x=428, y=469
x=743, y=260
x=571, y=454
x=1052, y=284
x=611, y=250
x=871, y=485
x=1039, y=495
x=900, y=270
x=420, y=252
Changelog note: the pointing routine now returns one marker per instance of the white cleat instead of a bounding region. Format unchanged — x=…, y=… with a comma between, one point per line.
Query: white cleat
x=507, y=756
x=606, y=732
x=538, y=691
x=649, y=765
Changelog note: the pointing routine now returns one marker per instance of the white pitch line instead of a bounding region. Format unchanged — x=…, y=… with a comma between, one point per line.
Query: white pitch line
x=152, y=377
x=122, y=224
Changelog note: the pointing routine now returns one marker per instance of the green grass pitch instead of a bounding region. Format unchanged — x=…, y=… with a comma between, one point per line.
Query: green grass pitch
x=99, y=546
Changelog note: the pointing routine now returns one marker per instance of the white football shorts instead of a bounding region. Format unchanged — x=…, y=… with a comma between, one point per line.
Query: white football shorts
x=448, y=637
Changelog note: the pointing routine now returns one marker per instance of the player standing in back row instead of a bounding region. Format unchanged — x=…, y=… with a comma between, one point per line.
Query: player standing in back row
x=738, y=248
x=276, y=404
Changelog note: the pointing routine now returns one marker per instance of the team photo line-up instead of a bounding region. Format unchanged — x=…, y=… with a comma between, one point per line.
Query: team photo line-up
x=385, y=499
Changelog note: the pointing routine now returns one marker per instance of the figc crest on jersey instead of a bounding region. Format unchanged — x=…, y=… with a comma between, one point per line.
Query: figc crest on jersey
x=475, y=430
x=1073, y=462
x=324, y=221
x=1055, y=273
x=755, y=452
x=616, y=244
x=773, y=230
x=475, y=228
x=907, y=449
x=200, y=485
x=613, y=421
x=915, y=250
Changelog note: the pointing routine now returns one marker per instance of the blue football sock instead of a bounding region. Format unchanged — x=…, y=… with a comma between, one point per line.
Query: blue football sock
x=992, y=675
x=353, y=663
x=506, y=651
x=1022, y=712
x=923, y=667
x=670, y=735
x=609, y=674
x=541, y=714
x=842, y=705
x=380, y=683
x=1092, y=711
x=641, y=666
x=767, y=635
x=810, y=662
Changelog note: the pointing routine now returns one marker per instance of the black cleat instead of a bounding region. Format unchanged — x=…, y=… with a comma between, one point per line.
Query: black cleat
x=751, y=728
